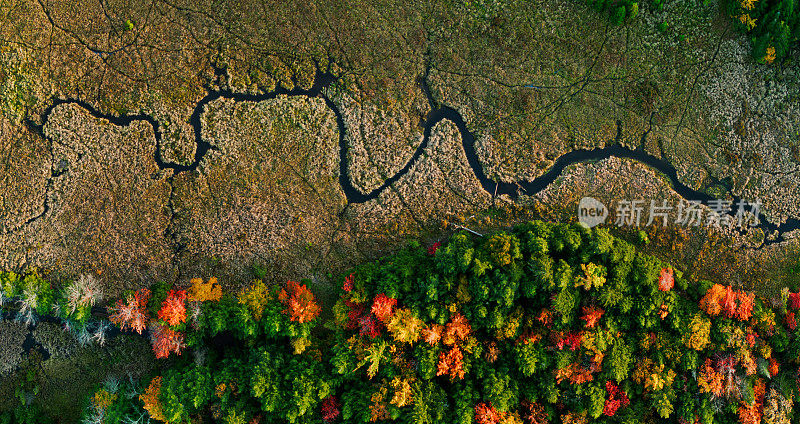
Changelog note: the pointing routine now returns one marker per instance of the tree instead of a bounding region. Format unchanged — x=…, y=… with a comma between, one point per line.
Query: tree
x=451, y=364
x=348, y=283
x=709, y=380
x=299, y=302
x=592, y=316
x=774, y=367
x=751, y=412
x=503, y=248
x=432, y=333
x=711, y=303
x=402, y=392
x=405, y=327
x=185, y=392
x=666, y=279
x=256, y=297
x=166, y=340
x=375, y=353
x=287, y=386
x=202, y=292
x=382, y=307
x=458, y=329
x=150, y=399
x=486, y=414
x=744, y=308
x=331, y=409
x=173, y=308
x=620, y=360
x=368, y=326
x=540, y=276
x=84, y=292
x=132, y=313
x=794, y=300
x=570, y=339
x=617, y=398
x=528, y=356
x=594, y=276
x=500, y=389
x=697, y=335
x=790, y=320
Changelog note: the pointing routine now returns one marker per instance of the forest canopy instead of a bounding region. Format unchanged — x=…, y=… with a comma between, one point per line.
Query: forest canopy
x=540, y=323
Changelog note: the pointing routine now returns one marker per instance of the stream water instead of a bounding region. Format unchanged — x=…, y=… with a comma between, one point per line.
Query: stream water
x=437, y=114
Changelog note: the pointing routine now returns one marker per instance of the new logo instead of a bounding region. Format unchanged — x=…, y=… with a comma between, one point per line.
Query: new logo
x=591, y=212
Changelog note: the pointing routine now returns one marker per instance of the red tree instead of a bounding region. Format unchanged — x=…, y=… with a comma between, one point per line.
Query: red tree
x=165, y=340
x=794, y=300
x=383, y=306
x=369, y=326
x=666, y=279
x=173, y=308
x=774, y=367
x=729, y=302
x=572, y=340
x=331, y=409
x=534, y=413
x=617, y=398
x=348, y=283
x=299, y=302
x=790, y=321
x=353, y=315
x=451, y=364
x=592, y=316
x=744, y=309
x=486, y=414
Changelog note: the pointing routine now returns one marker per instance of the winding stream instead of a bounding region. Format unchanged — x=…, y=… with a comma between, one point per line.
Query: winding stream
x=437, y=114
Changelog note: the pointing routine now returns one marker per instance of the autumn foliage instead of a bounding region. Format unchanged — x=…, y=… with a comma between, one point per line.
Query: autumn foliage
x=751, y=413
x=166, y=340
x=405, y=327
x=791, y=321
x=561, y=324
x=202, y=292
x=591, y=315
x=256, y=298
x=132, y=313
x=458, y=329
x=570, y=340
x=432, y=333
x=299, y=302
x=331, y=409
x=794, y=300
x=723, y=299
x=451, y=363
x=709, y=380
x=368, y=326
x=666, y=279
x=150, y=399
x=617, y=399
x=486, y=414
x=382, y=307
x=173, y=309
x=348, y=283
